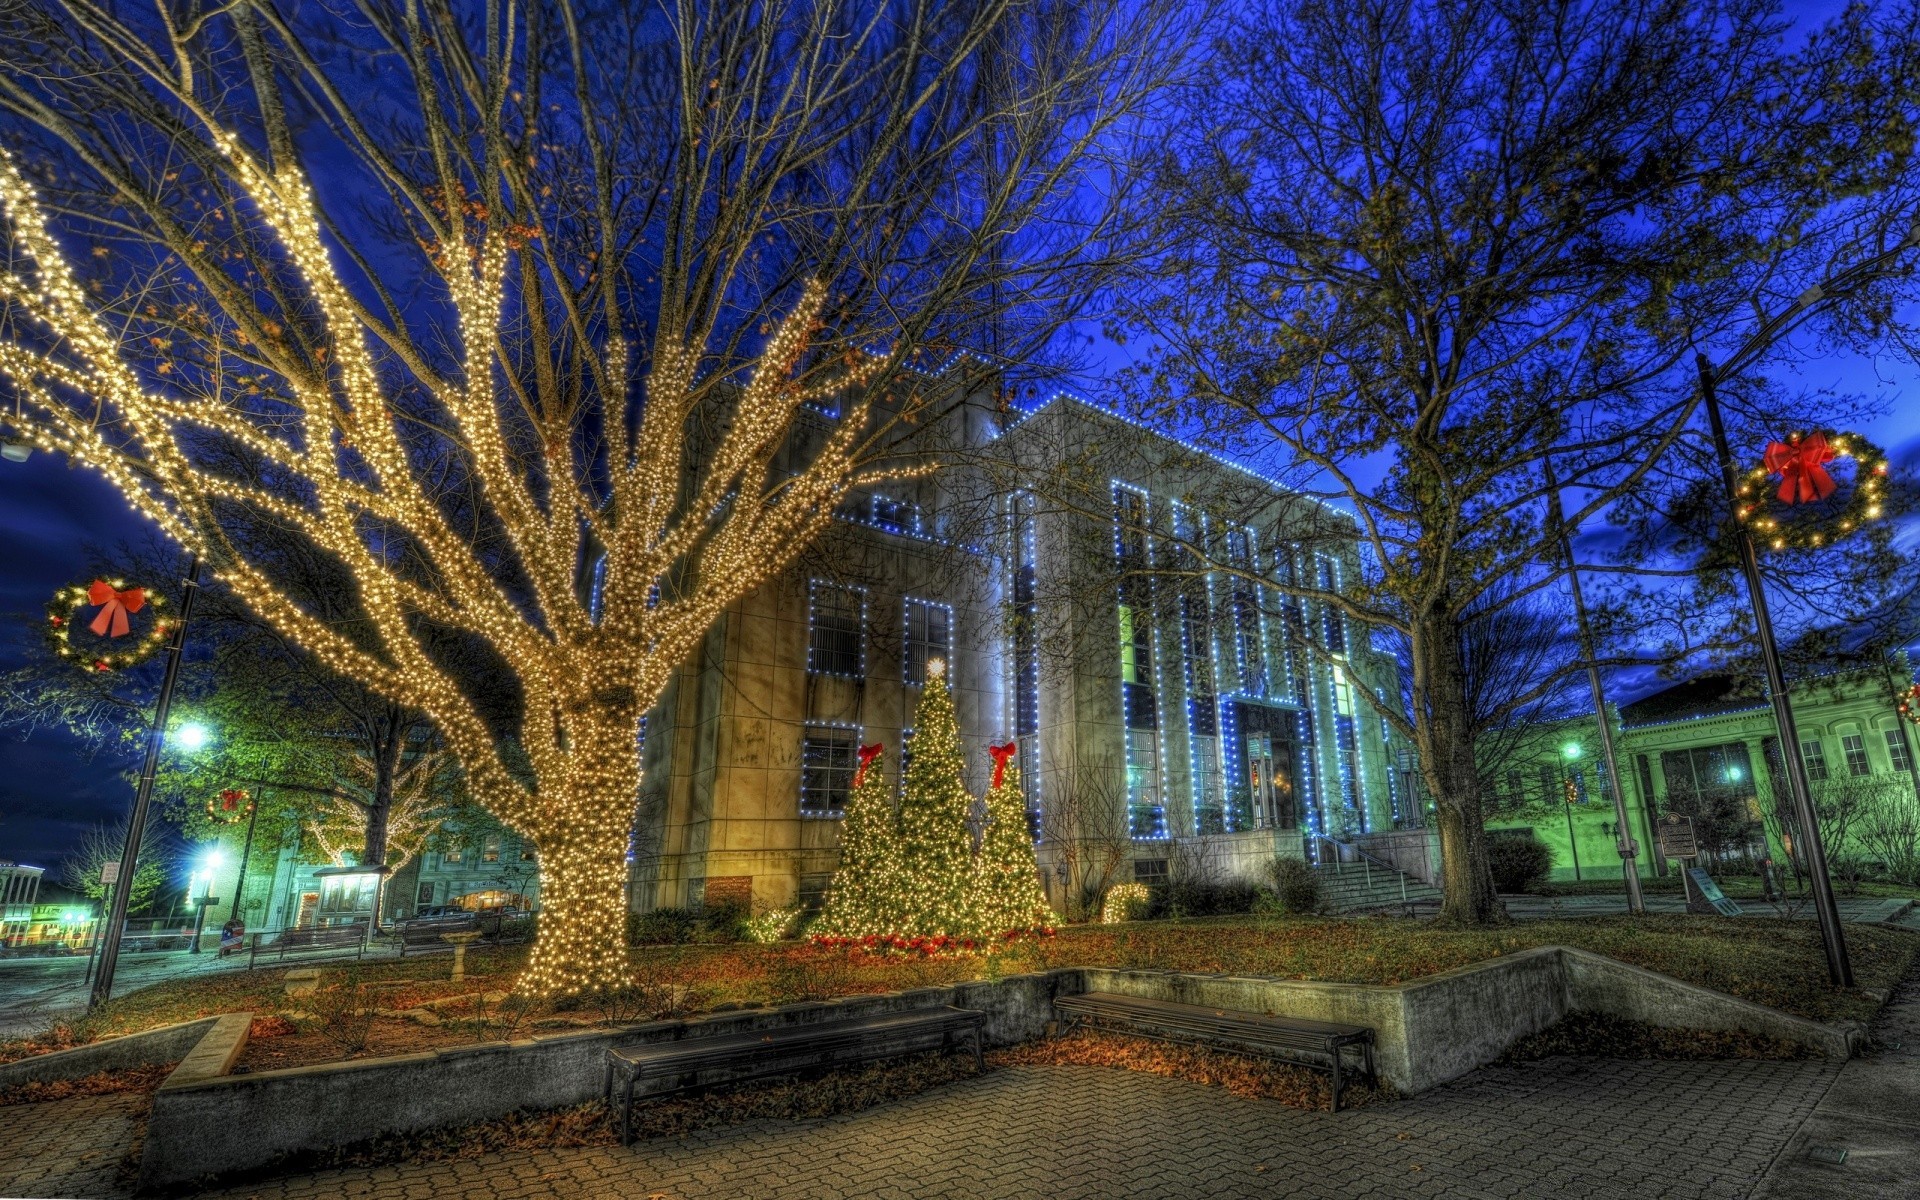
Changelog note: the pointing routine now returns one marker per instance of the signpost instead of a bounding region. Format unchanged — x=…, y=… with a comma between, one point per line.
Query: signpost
x=1675, y=833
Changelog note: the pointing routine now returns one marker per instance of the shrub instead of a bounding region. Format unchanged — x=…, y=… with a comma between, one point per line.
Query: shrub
x=724, y=921
x=1296, y=889
x=1127, y=902
x=1519, y=863
x=1203, y=899
x=773, y=925
x=662, y=927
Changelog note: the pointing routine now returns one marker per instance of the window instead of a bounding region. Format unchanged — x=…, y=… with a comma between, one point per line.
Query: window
x=1516, y=790
x=1816, y=758
x=1707, y=770
x=836, y=620
x=1856, y=750
x=490, y=849
x=1336, y=625
x=526, y=851
x=929, y=627
x=827, y=758
x=426, y=894
x=1897, y=750
x=901, y=516
x=451, y=854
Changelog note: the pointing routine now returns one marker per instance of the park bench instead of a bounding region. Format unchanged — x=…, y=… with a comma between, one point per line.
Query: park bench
x=782, y=1050
x=424, y=933
x=333, y=938
x=1229, y=1028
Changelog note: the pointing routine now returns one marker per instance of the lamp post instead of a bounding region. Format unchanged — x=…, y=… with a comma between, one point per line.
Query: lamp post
x=211, y=861
x=1624, y=842
x=143, y=796
x=1570, y=752
x=1825, y=908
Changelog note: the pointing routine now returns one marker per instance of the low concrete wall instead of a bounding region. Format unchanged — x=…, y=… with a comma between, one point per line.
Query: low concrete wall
x=169, y=1043
x=208, y=1126
x=206, y=1123
x=1440, y=1027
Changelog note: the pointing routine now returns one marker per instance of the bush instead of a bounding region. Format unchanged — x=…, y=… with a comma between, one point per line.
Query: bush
x=1126, y=902
x=1296, y=889
x=662, y=927
x=774, y=925
x=1202, y=899
x=724, y=921
x=1519, y=864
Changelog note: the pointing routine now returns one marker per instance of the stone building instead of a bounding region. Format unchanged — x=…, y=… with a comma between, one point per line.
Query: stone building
x=1705, y=737
x=1211, y=723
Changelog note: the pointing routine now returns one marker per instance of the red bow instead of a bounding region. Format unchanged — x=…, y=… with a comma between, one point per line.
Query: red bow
x=1001, y=756
x=1800, y=466
x=114, y=607
x=867, y=755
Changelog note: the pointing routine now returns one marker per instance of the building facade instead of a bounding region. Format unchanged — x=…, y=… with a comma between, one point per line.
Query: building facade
x=1700, y=743
x=1207, y=719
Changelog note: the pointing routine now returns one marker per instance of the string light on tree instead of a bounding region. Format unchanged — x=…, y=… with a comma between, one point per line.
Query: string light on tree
x=863, y=899
x=1007, y=900
x=1800, y=466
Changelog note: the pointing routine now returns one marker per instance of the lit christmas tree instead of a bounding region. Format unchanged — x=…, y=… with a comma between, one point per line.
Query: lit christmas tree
x=936, y=847
x=864, y=897
x=1006, y=879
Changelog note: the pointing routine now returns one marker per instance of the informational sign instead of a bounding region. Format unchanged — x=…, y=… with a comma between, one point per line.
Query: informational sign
x=110, y=872
x=1676, y=837
x=1710, y=892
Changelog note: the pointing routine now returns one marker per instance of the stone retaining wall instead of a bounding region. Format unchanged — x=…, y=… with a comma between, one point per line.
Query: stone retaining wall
x=1428, y=1031
x=169, y=1043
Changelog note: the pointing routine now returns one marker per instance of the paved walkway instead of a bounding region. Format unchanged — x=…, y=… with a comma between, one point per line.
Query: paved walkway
x=1530, y=908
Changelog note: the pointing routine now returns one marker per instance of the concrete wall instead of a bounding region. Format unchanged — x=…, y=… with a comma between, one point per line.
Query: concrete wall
x=169, y=1043
x=1427, y=1032
x=208, y=1126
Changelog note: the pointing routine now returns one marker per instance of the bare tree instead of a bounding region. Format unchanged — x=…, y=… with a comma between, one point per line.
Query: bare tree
x=560, y=328
x=1889, y=832
x=1426, y=247
x=1085, y=839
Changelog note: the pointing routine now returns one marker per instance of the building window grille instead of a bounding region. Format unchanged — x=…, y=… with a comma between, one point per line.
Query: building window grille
x=929, y=629
x=836, y=644
x=1856, y=749
x=1815, y=756
x=1897, y=752
x=827, y=757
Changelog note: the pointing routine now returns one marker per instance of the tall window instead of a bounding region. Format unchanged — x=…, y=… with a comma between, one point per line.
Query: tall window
x=1856, y=749
x=1815, y=757
x=490, y=849
x=1707, y=769
x=1897, y=752
x=836, y=642
x=928, y=635
x=827, y=757
x=1336, y=623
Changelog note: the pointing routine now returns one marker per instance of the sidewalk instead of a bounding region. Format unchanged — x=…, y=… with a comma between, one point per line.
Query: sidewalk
x=1871, y=1112
x=1866, y=909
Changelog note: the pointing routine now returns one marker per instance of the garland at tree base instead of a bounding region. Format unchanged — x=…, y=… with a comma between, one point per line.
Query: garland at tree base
x=115, y=600
x=1800, y=465
x=1908, y=705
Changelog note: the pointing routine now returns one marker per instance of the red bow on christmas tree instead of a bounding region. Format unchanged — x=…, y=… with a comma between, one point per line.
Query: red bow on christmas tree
x=114, y=607
x=1801, y=467
x=867, y=755
x=1001, y=756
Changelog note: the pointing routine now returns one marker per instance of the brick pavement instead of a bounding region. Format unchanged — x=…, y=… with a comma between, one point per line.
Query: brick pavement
x=1567, y=1127
x=66, y=1147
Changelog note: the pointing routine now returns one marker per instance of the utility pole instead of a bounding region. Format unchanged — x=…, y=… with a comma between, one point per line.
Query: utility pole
x=1826, y=909
x=143, y=797
x=1623, y=840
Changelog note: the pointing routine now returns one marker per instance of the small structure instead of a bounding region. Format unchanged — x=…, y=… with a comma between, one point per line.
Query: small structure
x=348, y=895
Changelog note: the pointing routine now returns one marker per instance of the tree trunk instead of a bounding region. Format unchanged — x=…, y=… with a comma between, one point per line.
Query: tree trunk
x=581, y=841
x=1453, y=776
x=386, y=765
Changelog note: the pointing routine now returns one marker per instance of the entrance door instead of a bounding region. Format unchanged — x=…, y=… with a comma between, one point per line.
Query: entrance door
x=1260, y=777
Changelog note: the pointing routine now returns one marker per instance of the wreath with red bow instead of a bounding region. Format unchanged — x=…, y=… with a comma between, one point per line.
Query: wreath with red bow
x=231, y=806
x=108, y=642
x=1800, y=511
x=1908, y=705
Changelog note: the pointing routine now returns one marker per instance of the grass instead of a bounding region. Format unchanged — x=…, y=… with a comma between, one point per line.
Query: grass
x=1774, y=962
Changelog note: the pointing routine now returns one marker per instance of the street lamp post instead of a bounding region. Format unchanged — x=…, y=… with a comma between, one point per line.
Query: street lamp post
x=1826, y=909
x=212, y=861
x=143, y=797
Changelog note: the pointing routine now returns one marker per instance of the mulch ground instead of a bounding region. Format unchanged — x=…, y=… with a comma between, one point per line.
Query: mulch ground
x=133, y=1079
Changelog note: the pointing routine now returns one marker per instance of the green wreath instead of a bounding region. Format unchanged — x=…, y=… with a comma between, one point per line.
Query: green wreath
x=1909, y=704
x=111, y=650
x=1801, y=513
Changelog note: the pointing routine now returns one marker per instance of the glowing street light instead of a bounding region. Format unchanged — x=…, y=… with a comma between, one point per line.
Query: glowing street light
x=1570, y=750
x=191, y=737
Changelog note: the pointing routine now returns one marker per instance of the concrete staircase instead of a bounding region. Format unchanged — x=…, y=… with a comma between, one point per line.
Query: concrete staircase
x=1351, y=887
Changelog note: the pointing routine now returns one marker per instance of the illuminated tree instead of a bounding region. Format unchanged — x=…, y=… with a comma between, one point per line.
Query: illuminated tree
x=1006, y=880
x=559, y=333
x=936, y=845
x=865, y=894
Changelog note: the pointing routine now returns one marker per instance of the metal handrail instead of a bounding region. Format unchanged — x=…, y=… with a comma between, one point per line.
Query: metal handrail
x=1367, y=863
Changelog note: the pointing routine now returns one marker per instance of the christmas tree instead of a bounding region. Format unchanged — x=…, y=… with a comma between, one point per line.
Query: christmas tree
x=864, y=896
x=1006, y=881
x=936, y=847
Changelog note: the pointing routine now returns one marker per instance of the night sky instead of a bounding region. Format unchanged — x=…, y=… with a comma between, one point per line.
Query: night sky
x=51, y=792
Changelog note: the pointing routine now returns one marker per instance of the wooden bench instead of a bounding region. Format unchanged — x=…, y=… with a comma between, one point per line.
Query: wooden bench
x=1224, y=1027
x=785, y=1049
x=424, y=933
x=298, y=941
